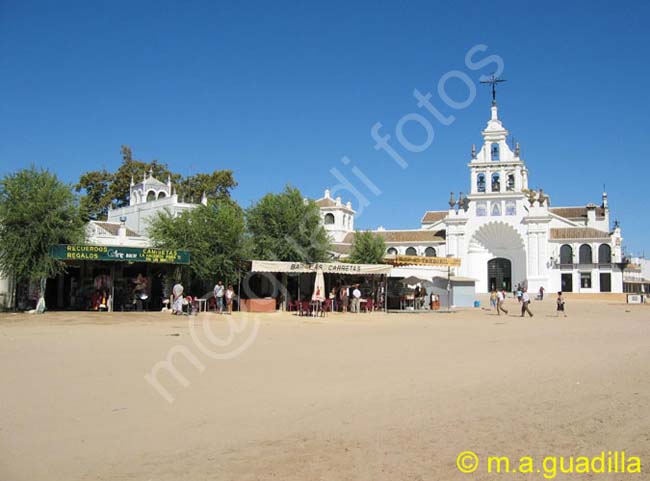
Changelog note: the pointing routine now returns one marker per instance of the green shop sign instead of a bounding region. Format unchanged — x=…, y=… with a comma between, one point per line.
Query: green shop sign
x=70, y=252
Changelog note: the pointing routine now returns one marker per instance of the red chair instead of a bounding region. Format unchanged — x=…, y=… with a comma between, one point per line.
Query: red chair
x=304, y=308
x=370, y=305
x=327, y=305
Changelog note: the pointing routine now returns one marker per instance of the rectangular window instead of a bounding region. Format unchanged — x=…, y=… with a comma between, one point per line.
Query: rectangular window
x=585, y=280
x=511, y=208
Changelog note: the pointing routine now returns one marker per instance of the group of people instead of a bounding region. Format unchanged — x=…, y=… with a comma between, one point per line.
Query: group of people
x=497, y=300
x=347, y=298
x=224, y=297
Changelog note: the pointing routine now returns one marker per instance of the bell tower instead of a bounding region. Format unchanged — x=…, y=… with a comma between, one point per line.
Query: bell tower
x=496, y=168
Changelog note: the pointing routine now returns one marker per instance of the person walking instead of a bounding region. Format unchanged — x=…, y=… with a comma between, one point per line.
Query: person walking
x=500, y=300
x=525, y=302
x=493, y=299
x=218, y=295
x=230, y=292
x=560, y=305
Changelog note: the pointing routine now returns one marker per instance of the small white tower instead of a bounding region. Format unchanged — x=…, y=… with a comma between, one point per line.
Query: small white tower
x=149, y=189
x=337, y=218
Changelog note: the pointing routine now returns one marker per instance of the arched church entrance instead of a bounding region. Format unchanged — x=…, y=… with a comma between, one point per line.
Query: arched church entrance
x=496, y=257
x=499, y=274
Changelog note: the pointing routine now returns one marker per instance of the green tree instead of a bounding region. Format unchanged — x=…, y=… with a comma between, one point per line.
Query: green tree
x=367, y=248
x=216, y=185
x=37, y=210
x=104, y=190
x=214, y=235
x=285, y=227
x=97, y=200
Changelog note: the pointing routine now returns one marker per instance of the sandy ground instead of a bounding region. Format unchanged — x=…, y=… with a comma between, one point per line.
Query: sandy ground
x=366, y=397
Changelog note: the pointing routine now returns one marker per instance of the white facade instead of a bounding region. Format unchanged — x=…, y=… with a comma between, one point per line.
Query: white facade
x=338, y=218
x=146, y=199
x=507, y=234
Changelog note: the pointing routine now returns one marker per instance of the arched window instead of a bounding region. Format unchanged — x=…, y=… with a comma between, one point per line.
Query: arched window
x=511, y=207
x=480, y=183
x=496, y=182
x=411, y=251
x=566, y=254
x=510, y=186
x=494, y=150
x=604, y=254
x=430, y=252
x=584, y=254
x=329, y=218
x=481, y=209
x=496, y=208
x=151, y=195
x=161, y=195
x=391, y=251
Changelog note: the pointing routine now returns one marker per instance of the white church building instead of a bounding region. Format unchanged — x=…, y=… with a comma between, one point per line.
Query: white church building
x=503, y=232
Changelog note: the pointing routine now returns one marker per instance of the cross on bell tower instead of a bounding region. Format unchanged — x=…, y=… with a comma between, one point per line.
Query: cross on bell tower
x=493, y=80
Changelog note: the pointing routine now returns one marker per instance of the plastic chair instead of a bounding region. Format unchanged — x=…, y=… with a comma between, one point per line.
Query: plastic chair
x=327, y=305
x=304, y=308
x=370, y=305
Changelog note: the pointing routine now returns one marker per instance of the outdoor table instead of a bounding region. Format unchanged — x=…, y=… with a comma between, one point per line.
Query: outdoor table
x=406, y=302
x=203, y=305
x=316, y=308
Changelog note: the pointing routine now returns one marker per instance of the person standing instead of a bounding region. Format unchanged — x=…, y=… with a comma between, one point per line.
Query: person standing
x=560, y=305
x=525, y=301
x=356, y=299
x=500, y=300
x=519, y=292
x=344, y=299
x=230, y=292
x=218, y=295
x=177, y=299
x=332, y=298
x=541, y=293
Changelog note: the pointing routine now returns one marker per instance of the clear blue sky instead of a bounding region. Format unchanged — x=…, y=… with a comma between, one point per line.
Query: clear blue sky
x=280, y=91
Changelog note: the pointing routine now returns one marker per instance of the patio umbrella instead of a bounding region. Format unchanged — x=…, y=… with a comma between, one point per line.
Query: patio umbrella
x=412, y=280
x=319, y=287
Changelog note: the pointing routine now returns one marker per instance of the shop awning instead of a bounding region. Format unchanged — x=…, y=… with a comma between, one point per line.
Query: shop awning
x=74, y=252
x=398, y=260
x=324, y=267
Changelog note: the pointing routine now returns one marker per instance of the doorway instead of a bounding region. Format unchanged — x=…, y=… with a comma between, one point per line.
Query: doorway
x=605, y=282
x=567, y=282
x=500, y=274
